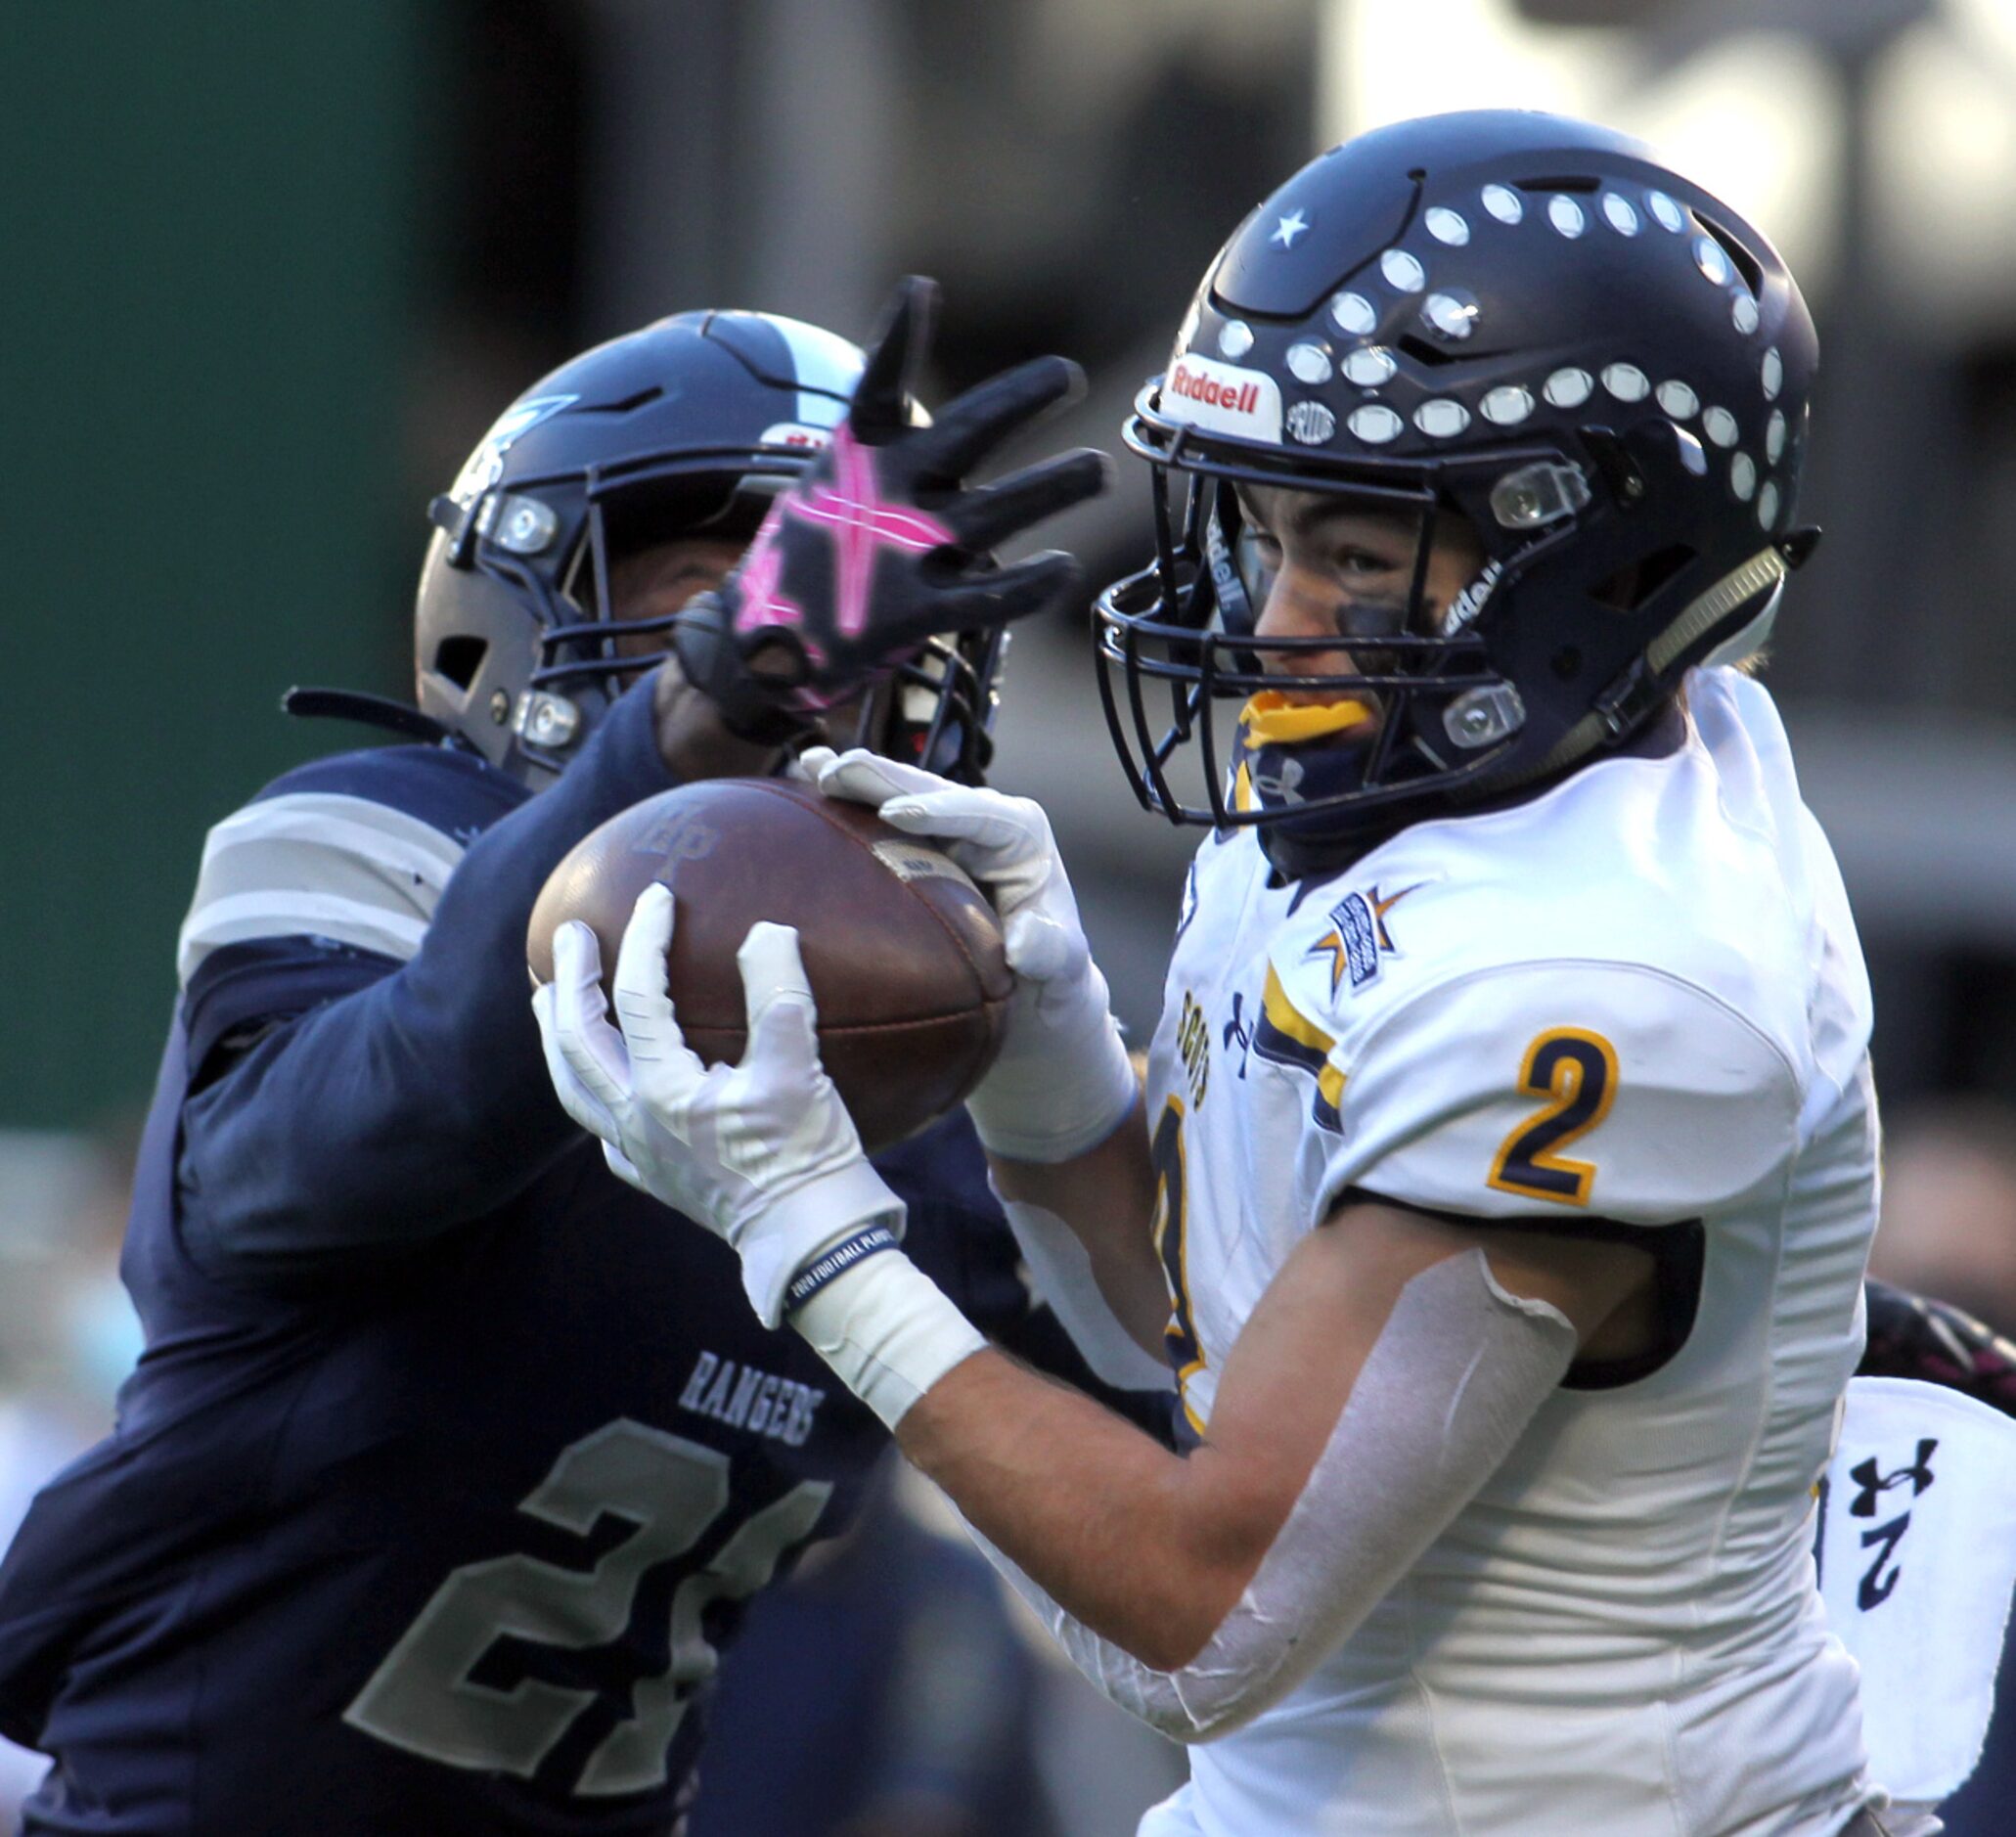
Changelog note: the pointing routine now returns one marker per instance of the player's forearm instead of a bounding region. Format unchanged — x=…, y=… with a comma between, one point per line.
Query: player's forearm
x=421, y=1101
x=1106, y=1196
x=1148, y=1550
x=1153, y=1551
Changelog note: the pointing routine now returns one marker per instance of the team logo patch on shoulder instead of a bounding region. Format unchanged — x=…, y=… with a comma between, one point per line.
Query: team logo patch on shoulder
x=1357, y=937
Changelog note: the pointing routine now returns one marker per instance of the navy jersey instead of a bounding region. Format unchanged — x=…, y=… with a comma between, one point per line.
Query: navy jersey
x=451, y=1459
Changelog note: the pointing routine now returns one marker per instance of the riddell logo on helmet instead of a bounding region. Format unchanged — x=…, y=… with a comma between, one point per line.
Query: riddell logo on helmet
x=1237, y=398
x=1465, y=607
x=796, y=433
x=1206, y=394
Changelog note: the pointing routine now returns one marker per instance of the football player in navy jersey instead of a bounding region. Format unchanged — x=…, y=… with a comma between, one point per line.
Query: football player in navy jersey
x=448, y=1468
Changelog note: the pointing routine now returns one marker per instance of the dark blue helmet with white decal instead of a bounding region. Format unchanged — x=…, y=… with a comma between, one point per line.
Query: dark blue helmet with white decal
x=687, y=427
x=1515, y=319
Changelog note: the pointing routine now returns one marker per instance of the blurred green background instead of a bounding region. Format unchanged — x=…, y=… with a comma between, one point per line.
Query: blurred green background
x=214, y=247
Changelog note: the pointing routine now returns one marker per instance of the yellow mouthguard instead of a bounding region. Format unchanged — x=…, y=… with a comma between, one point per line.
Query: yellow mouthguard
x=1273, y=718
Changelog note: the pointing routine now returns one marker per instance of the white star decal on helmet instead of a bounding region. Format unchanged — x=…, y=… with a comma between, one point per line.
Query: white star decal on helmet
x=1288, y=229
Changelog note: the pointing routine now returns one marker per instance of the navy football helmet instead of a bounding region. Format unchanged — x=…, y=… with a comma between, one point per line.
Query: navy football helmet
x=1514, y=317
x=687, y=428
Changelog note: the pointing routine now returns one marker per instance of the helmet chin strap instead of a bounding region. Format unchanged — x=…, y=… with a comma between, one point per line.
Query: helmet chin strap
x=1754, y=636
x=1637, y=690
x=379, y=711
x=1276, y=718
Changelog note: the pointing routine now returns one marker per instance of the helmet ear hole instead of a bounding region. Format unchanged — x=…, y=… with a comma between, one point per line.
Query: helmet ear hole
x=1637, y=581
x=459, y=657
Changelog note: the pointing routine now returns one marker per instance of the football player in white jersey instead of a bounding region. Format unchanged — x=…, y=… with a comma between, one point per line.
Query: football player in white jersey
x=1508, y=1162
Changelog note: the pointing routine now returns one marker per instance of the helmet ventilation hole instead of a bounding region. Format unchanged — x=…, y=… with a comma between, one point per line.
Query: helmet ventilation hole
x=626, y=404
x=460, y=658
x=1422, y=352
x=1744, y=262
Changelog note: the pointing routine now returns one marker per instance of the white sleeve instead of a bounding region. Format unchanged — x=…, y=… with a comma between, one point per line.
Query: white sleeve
x=1459, y=1369
x=1062, y=1271
x=1602, y=1088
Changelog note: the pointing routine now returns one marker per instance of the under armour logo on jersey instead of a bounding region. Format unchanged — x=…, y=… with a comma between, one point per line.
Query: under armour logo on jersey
x=1865, y=1476
x=862, y=523
x=1879, y=1580
x=1237, y=1033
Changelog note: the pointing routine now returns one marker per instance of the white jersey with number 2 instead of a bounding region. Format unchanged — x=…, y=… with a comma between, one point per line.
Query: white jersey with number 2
x=1636, y=998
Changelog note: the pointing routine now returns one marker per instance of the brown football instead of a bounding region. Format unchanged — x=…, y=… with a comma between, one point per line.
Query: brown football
x=902, y=950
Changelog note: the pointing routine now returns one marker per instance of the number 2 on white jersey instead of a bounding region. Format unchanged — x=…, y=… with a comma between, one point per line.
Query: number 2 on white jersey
x=1576, y=1071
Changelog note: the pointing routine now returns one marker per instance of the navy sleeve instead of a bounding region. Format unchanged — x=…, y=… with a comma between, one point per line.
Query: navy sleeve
x=396, y=1099
x=243, y=991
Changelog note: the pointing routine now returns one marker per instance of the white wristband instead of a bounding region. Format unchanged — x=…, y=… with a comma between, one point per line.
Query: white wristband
x=888, y=1333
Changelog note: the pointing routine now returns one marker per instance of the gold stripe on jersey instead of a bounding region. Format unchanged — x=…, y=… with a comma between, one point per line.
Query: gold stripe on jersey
x=1170, y=1234
x=1288, y=1021
x=1330, y=1097
x=1288, y=1037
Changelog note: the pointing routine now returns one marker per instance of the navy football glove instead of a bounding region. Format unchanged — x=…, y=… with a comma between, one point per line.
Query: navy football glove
x=879, y=546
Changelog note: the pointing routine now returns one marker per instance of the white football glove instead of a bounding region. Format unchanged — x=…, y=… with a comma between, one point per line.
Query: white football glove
x=1062, y=1083
x=763, y=1153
